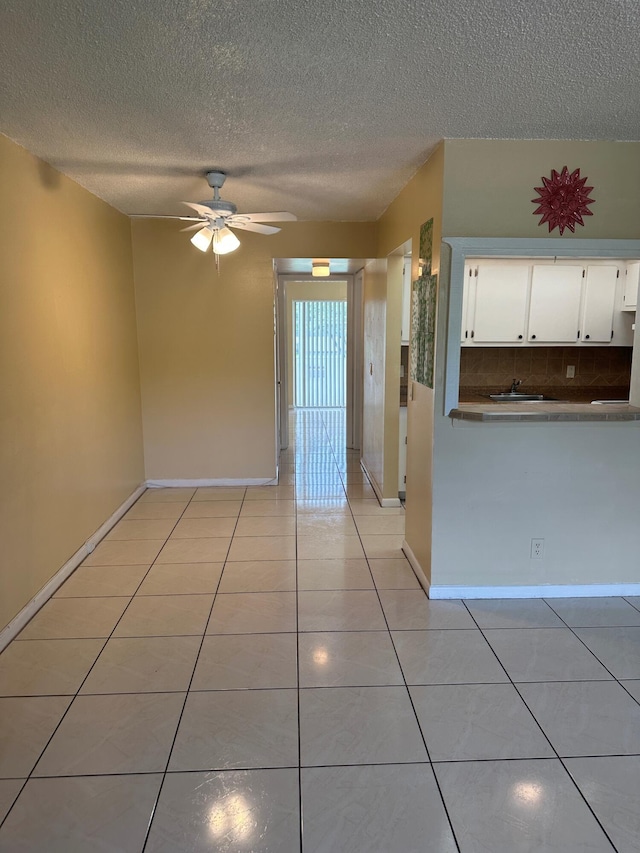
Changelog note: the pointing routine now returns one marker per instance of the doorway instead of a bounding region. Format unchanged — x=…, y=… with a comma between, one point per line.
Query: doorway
x=319, y=354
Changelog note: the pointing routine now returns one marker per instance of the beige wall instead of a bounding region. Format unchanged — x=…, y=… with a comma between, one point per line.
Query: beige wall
x=419, y=201
x=70, y=423
x=489, y=185
x=312, y=291
x=207, y=344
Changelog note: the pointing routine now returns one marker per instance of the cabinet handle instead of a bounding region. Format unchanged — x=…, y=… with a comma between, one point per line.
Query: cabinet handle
x=533, y=337
x=472, y=333
x=586, y=337
x=519, y=337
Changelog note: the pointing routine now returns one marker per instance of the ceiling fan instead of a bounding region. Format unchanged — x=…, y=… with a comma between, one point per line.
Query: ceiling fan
x=217, y=217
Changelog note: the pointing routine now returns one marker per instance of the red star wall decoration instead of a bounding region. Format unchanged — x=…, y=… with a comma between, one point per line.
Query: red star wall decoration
x=563, y=200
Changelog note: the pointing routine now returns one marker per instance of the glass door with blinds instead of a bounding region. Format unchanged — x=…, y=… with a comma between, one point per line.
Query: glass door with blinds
x=320, y=354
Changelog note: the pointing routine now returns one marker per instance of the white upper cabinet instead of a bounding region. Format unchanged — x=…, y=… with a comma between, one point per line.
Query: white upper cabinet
x=632, y=279
x=599, y=300
x=554, y=313
x=500, y=309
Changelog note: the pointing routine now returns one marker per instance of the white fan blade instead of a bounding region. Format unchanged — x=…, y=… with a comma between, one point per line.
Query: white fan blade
x=253, y=226
x=197, y=224
x=278, y=216
x=200, y=208
x=164, y=216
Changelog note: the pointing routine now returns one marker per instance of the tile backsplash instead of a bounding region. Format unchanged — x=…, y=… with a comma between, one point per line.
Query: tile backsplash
x=545, y=367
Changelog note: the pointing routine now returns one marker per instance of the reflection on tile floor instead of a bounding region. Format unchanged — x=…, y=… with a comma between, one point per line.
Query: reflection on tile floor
x=258, y=669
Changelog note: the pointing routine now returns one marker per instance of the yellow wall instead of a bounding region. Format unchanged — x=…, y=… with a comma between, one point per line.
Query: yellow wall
x=70, y=424
x=419, y=201
x=489, y=185
x=207, y=344
x=312, y=291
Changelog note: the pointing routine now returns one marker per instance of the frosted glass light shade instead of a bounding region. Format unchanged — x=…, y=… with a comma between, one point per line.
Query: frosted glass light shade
x=225, y=241
x=320, y=269
x=202, y=239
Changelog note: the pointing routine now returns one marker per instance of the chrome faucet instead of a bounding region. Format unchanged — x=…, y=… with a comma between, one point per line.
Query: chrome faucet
x=515, y=385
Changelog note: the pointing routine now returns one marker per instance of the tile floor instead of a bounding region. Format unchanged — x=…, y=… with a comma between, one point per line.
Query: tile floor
x=258, y=670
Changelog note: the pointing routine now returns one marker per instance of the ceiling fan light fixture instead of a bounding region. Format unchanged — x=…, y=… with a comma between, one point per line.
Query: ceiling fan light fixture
x=202, y=239
x=225, y=241
x=320, y=269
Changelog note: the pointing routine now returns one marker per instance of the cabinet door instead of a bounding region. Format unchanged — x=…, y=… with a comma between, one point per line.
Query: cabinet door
x=406, y=300
x=599, y=298
x=631, y=286
x=501, y=303
x=468, y=299
x=555, y=304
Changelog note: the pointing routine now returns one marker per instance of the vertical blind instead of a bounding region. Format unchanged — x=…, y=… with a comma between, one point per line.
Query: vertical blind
x=320, y=364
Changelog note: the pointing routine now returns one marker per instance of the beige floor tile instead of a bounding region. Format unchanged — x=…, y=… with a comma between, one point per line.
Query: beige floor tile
x=142, y=665
x=75, y=618
x=246, y=661
x=270, y=493
x=610, y=785
x=463, y=722
x=374, y=810
x=205, y=550
x=320, y=492
x=522, y=805
x=150, y=528
x=233, y=729
x=447, y=657
x=368, y=506
x=340, y=610
x=98, y=581
x=132, y=552
x=513, y=613
x=9, y=789
x=383, y=547
x=109, y=814
x=125, y=733
x=257, y=509
x=348, y=659
x=253, y=613
x=595, y=612
x=165, y=615
x=232, y=811
x=259, y=576
x=249, y=548
x=176, y=495
x=408, y=609
x=157, y=510
x=46, y=667
x=358, y=725
x=632, y=687
x=334, y=574
x=201, y=528
x=352, y=478
x=369, y=525
x=220, y=493
x=617, y=648
x=338, y=547
x=360, y=492
x=393, y=574
x=324, y=506
x=322, y=525
x=182, y=579
x=586, y=717
x=282, y=525
x=26, y=724
x=213, y=509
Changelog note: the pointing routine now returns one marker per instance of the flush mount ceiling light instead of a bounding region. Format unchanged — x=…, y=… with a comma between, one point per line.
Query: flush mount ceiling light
x=216, y=217
x=320, y=268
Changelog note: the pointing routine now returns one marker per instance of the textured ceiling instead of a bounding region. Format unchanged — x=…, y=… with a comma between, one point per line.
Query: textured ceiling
x=322, y=108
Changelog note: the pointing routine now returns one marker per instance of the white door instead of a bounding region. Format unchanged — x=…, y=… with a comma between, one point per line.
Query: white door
x=555, y=303
x=500, y=303
x=599, y=298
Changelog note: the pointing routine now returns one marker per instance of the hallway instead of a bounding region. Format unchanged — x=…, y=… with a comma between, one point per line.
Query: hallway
x=229, y=659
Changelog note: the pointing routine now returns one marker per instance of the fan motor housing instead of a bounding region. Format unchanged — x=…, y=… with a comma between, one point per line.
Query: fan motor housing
x=219, y=206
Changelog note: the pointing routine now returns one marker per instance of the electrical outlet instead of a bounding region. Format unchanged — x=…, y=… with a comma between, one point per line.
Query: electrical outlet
x=571, y=371
x=537, y=549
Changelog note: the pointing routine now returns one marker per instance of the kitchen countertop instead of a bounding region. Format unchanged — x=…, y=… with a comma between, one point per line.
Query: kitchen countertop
x=573, y=404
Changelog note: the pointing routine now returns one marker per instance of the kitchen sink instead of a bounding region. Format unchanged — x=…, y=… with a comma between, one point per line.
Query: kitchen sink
x=508, y=397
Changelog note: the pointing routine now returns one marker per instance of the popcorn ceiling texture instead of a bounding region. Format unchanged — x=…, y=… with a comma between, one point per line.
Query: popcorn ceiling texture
x=325, y=109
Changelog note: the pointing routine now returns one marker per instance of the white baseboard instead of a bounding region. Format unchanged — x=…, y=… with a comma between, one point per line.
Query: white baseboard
x=415, y=565
x=387, y=502
x=40, y=598
x=200, y=484
x=589, y=590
